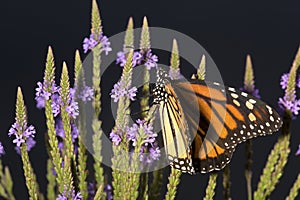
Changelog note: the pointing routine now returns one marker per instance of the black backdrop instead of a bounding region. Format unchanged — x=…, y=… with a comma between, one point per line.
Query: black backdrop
x=268, y=30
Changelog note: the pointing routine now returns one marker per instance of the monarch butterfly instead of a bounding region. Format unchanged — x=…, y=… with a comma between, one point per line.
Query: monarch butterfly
x=202, y=122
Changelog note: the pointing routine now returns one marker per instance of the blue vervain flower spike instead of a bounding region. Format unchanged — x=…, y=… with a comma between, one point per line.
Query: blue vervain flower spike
x=69, y=158
x=249, y=87
x=82, y=157
x=53, y=142
x=22, y=134
x=278, y=156
x=174, y=72
x=96, y=124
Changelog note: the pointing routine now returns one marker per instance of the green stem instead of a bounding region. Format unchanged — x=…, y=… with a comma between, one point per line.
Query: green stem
x=226, y=183
x=248, y=171
x=210, y=189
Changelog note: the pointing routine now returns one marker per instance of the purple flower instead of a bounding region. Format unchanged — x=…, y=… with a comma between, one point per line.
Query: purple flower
x=74, y=196
x=145, y=57
x=30, y=144
x=284, y=81
x=73, y=109
x=132, y=93
x=91, y=190
x=19, y=140
x=115, y=137
x=87, y=94
x=108, y=190
x=137, y=56
x=141, y=129
x=121, y=58
x=60, y=129
x=29, y=132
x=90, y=43
x=56, y=101
x=42, y=95
x=175, y=74
x=120, y=90
x=298, y=151
x=2, y=152
x=150, y=60
x=13, y=130
x=293, y=105
x=149, y=157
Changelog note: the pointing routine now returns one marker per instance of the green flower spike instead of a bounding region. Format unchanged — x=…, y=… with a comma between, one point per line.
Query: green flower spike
x=30, y=177
x=53, y=143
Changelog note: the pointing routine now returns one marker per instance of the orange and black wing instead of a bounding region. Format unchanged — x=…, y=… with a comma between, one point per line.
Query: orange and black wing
x=219, y=118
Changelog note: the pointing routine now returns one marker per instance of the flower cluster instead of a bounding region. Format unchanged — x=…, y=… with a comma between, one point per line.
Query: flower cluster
x=2, y=152
x=42, y=95
x=284, y=81
x=121, y=90
x=298, y=151
x=140, y=133
x=61, y=134
x=108, y=190
x=175, y=74
x=86, y=94
x=139, y=57
x=292, y=104
x=74, y=196
x=93, y=40
x=27, y=135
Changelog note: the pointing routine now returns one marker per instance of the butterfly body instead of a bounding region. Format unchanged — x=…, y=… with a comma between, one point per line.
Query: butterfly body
x=202, y=122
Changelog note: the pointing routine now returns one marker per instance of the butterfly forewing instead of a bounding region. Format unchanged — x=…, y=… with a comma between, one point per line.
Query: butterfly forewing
x=204, y=121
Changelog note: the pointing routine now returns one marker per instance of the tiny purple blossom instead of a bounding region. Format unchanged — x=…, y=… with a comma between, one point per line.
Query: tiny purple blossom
x=137, y=56
x=292, y=105
x=91, y=190
x=73, y=109
x=2, y=152
x=87, y=94
x=56, y=100
x=118, y=91
x=19, y=140
x=284, y=81
x=150, y=60
x=115, y=137
x=30, y=144
x=153, y=154
x=121, y=58
x=91, y=42
x=175, y=74
x=132, y=93
x=42, y=95
x=108, y=190
x=298, y=151
x=13, y=130
x=29, y=132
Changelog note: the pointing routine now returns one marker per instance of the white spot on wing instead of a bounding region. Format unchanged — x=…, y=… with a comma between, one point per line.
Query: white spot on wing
x=244, y=94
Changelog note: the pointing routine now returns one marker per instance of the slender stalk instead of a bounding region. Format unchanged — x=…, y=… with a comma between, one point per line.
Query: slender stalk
x=211, y=186
x=294, y=190
x=226, y=183
x=174, y=179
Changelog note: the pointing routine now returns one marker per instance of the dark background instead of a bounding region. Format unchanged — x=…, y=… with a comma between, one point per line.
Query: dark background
x=268, y=30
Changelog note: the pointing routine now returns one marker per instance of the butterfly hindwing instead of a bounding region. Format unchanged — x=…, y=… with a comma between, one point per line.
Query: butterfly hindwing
x=227, y=117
